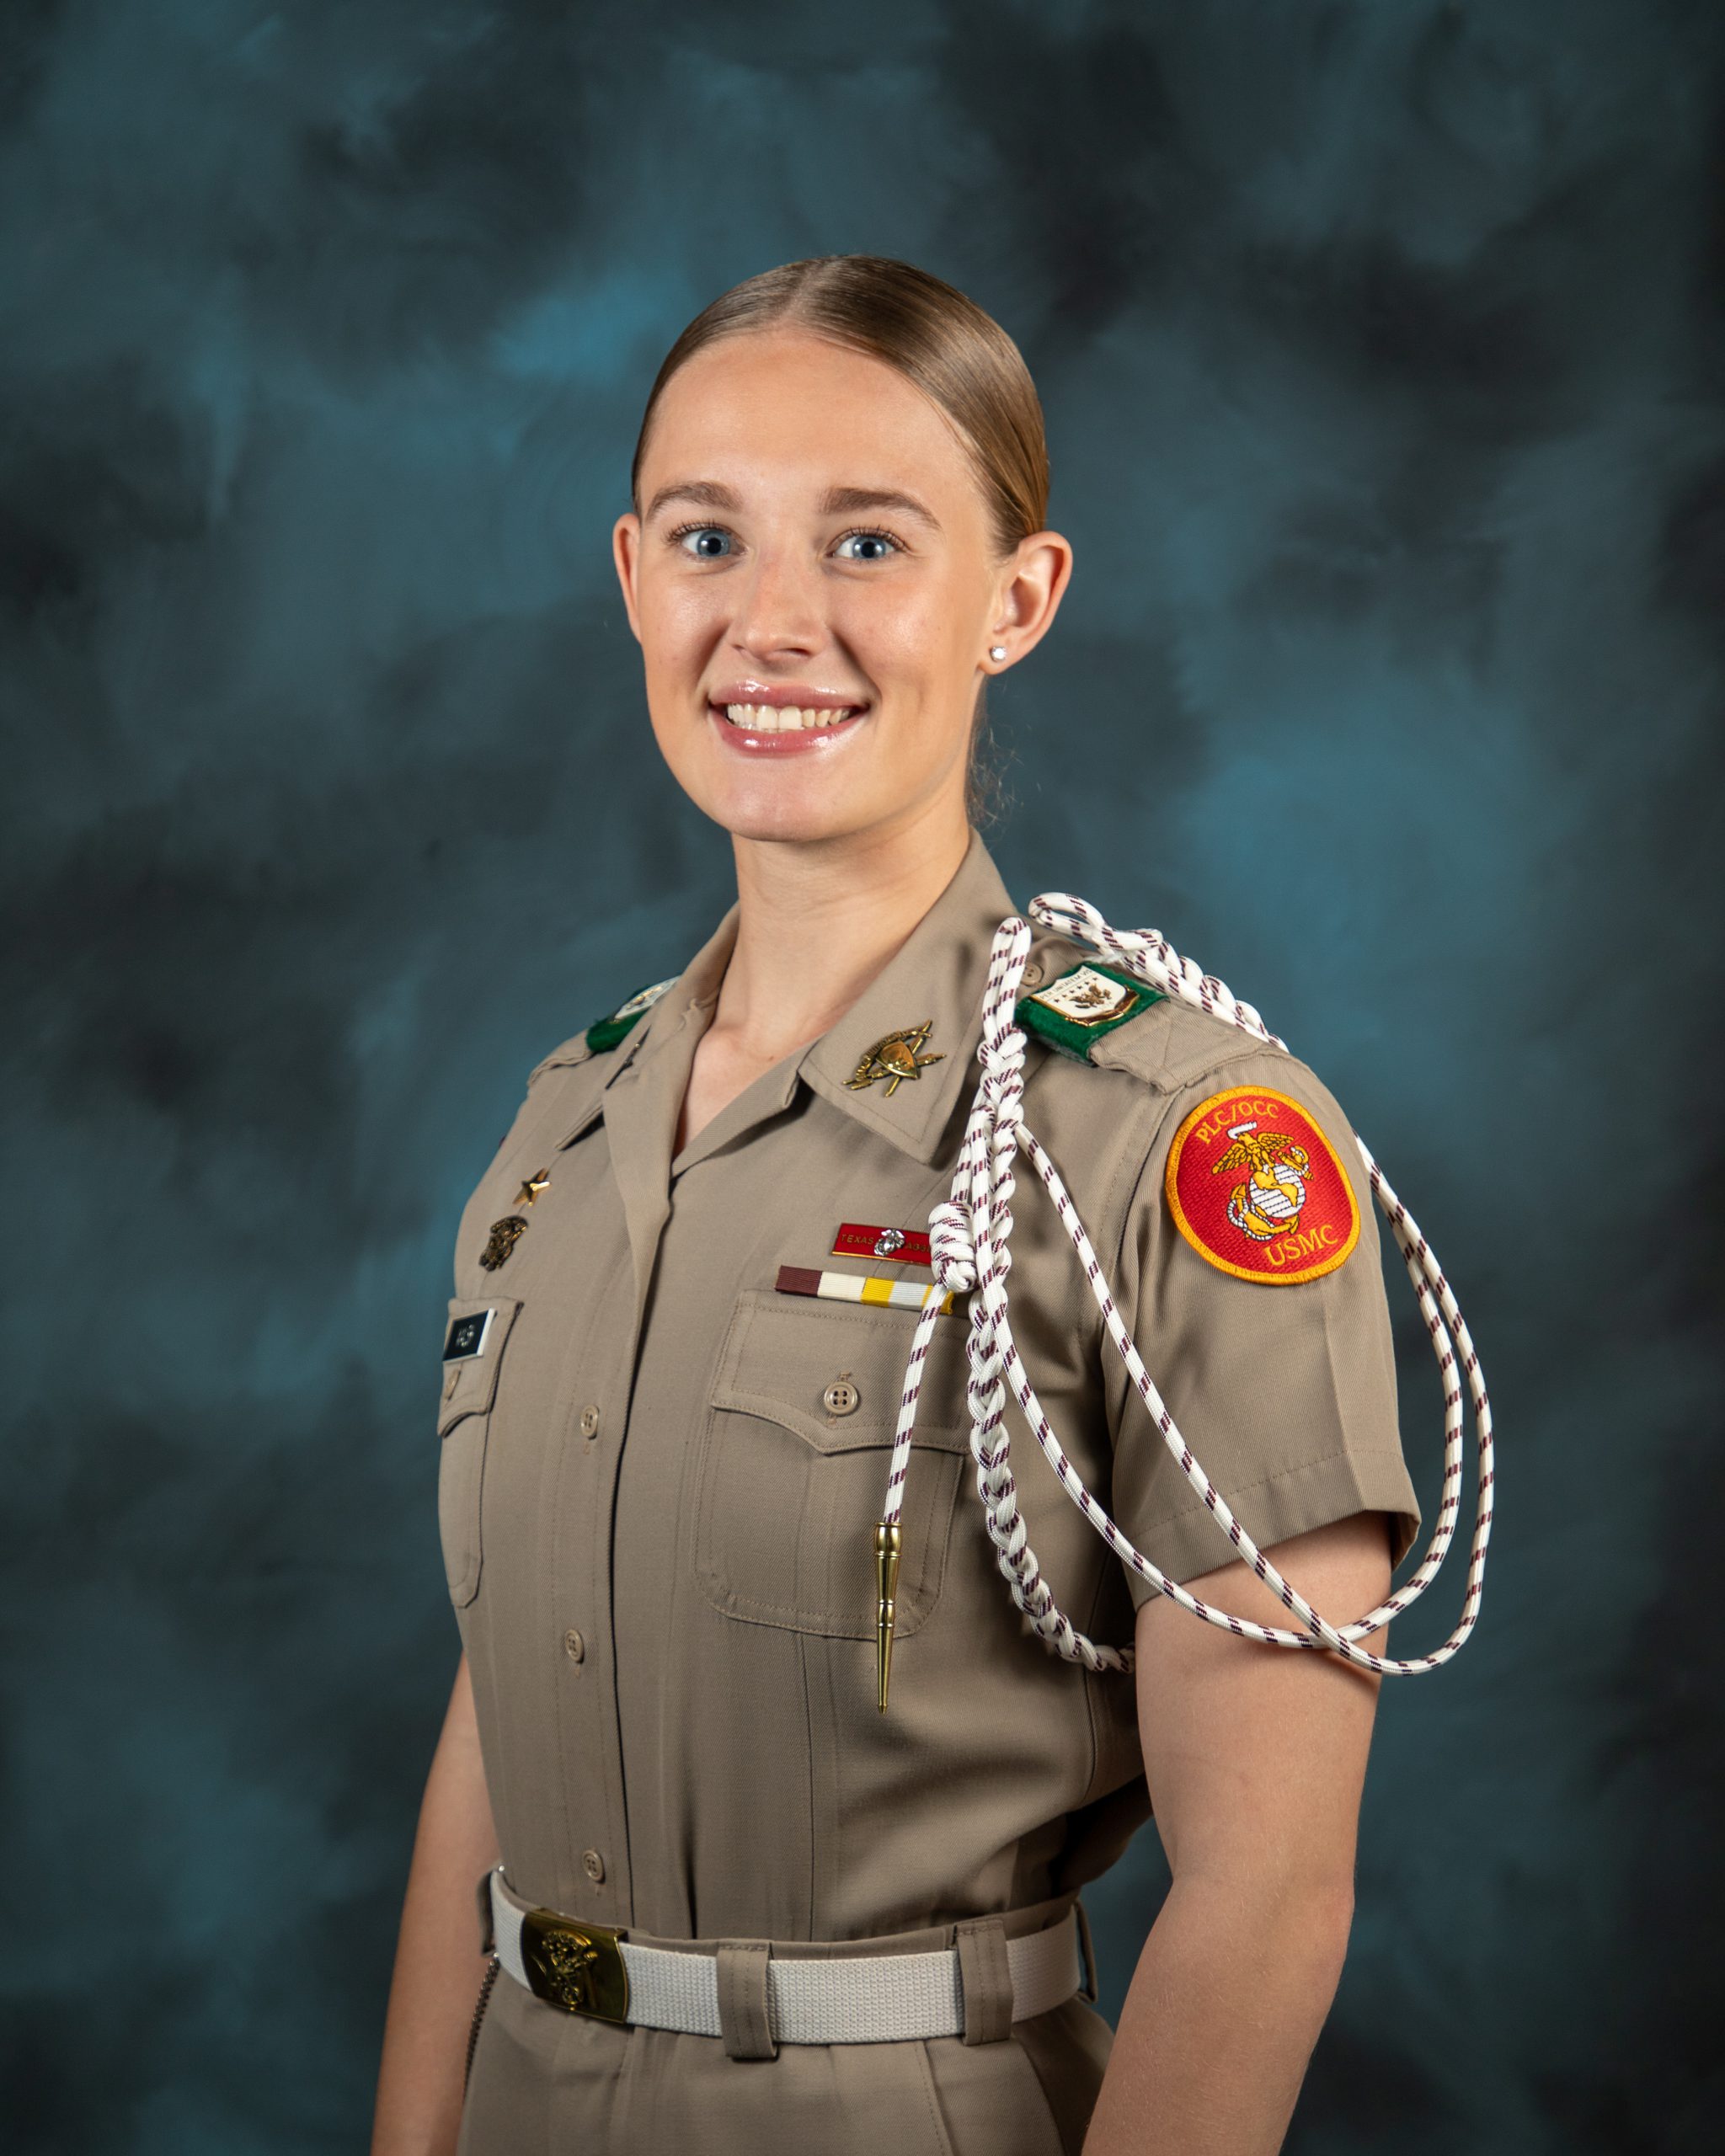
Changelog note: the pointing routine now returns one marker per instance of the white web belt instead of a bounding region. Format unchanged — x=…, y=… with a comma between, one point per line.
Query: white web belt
x=857, y=1999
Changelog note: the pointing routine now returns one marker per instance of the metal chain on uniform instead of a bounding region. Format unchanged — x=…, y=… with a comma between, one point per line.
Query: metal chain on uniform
x=969, y=1236
x=486, y=1981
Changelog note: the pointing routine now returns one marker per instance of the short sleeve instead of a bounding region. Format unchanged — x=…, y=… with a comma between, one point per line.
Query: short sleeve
x=1273, y=1354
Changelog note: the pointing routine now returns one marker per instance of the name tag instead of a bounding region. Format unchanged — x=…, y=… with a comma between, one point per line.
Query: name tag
x=467, y=1337
x=904, y=1246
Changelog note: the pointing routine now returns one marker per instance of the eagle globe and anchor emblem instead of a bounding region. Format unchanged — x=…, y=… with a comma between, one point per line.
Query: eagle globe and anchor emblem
x=1270, y=1199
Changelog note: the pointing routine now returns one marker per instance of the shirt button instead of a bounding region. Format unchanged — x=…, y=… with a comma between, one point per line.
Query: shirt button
x=592, y=1864
x=574, y=1645
x=841, y=1397
x=590, y=1421
x=1033, y=974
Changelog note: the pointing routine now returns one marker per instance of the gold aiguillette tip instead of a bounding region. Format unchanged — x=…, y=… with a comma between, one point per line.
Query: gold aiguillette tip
x=886, y=1582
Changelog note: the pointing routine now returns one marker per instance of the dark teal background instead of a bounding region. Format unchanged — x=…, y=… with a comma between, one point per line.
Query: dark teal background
x=1381, y=350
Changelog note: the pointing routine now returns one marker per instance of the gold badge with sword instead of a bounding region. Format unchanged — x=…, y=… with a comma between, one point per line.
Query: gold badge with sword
x=896, y=1057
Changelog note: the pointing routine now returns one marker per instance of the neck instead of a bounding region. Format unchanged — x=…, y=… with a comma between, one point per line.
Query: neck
x=816, y=922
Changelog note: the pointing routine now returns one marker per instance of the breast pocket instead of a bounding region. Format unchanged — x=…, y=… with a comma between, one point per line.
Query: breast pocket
x=793, y=1467
x=473, y=1349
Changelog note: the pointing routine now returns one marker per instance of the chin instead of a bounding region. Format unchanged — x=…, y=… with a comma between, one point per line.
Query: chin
x=785, y=816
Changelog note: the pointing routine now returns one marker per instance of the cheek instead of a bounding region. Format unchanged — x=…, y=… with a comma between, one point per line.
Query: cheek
x=911, y=639
x=677, y=624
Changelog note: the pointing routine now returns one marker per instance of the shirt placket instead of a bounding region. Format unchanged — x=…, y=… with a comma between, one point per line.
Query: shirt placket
x=641, y=1107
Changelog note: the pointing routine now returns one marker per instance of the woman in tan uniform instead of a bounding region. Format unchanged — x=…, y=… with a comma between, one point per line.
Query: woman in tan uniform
x=729, y=1904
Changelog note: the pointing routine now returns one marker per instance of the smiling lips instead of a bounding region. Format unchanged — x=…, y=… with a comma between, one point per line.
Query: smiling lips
x=786, y=718
x=781, y=728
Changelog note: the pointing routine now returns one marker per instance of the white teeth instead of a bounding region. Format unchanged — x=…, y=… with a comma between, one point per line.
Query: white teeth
x=781, y=718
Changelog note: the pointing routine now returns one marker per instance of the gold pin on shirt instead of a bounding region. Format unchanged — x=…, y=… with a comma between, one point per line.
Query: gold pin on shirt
x=896, y=1057
x=508, y=1231
x=505, y=1234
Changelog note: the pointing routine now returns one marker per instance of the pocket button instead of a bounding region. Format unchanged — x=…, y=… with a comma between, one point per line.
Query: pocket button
x=841, y=1397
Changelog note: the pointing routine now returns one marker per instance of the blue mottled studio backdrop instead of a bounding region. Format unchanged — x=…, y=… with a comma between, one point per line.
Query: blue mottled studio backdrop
x=1381, y=348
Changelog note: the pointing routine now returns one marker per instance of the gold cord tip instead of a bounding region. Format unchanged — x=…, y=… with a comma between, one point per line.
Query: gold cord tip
x=886, y=1581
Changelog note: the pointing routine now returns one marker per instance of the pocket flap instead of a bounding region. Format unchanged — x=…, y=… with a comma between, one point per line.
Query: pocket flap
x=472, y=1356
x=783, y=1352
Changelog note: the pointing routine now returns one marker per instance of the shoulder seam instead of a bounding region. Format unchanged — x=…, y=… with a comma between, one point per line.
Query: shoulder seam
x=1168, y=1063
x=573, y=1050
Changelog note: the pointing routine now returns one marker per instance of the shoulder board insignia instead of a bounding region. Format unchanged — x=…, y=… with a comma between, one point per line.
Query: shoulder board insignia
x=606, y=1033
x=1081, y=1004
x=1257, y=1188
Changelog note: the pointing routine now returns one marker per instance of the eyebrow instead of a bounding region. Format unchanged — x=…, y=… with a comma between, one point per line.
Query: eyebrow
x=837, y=501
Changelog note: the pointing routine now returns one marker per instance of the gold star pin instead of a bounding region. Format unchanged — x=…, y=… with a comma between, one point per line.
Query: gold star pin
x=894, y=1057
x=532, y=1186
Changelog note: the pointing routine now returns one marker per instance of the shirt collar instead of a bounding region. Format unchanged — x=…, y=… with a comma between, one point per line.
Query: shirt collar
x=696, y=987
x=937, y=975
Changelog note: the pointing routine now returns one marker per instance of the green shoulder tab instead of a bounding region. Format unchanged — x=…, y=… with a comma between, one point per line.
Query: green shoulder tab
x=1081, y=1004
x=606, y=1033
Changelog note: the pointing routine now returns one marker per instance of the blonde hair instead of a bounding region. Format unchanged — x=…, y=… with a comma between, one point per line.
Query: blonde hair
x=937, y=338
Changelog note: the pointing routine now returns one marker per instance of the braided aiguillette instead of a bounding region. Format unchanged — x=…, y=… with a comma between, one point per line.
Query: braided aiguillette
x=969, y=1236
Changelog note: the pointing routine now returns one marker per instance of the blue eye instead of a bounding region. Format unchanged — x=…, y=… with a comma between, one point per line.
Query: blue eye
x=876, y=538
x=720, y=539
x=702, y=532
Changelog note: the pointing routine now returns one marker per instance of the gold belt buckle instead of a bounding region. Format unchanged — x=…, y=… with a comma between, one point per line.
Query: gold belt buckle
x=578, y=1966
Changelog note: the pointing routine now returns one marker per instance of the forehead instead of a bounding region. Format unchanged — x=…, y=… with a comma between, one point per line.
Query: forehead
x=775, y=409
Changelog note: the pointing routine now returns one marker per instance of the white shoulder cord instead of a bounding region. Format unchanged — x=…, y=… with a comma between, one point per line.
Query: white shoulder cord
x=968, y=1235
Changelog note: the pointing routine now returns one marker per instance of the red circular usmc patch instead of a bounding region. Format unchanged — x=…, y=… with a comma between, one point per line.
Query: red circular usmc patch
x=1256, y=1188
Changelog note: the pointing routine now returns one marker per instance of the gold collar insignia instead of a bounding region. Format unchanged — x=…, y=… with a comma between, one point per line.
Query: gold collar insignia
x=893, y=1057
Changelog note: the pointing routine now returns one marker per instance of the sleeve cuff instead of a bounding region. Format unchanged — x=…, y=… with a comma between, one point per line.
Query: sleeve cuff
x=1289, y=1503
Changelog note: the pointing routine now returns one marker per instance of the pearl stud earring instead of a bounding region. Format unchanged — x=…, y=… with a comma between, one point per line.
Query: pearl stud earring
x=997, y=651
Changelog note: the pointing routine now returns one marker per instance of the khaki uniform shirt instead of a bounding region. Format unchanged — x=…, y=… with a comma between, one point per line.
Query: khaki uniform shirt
x=658, y=1536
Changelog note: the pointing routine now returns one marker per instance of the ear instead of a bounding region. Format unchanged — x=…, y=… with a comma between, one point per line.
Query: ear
x=1031, y=590
x=625, y=552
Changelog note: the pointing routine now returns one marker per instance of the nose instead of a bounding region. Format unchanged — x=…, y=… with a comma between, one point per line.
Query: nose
x=779, y=605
